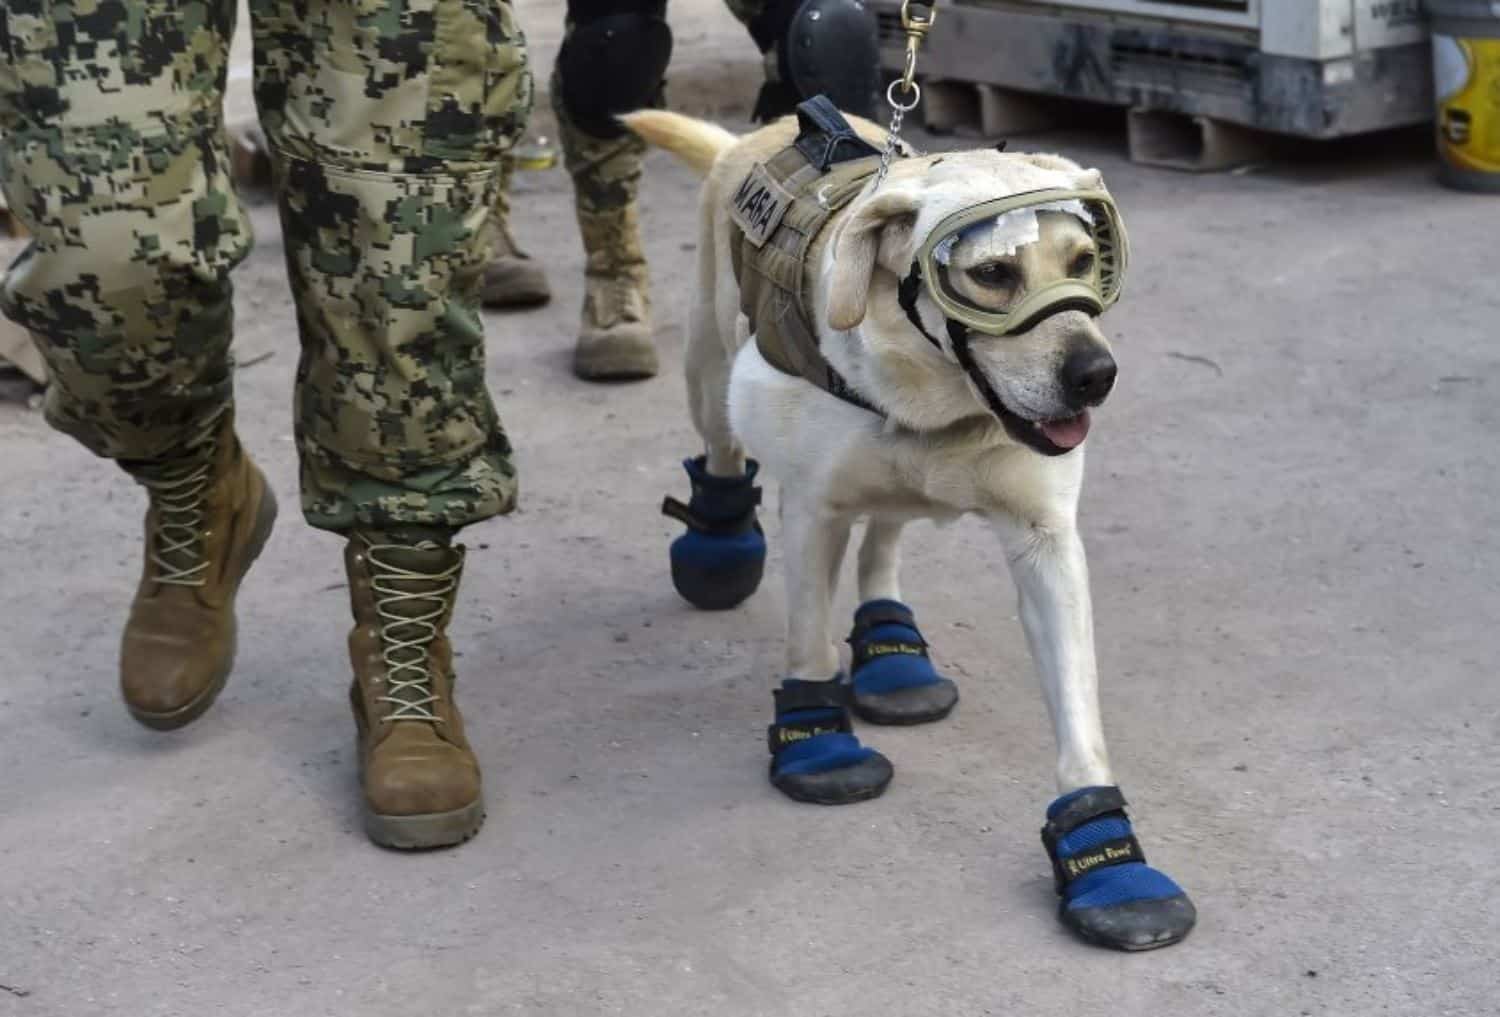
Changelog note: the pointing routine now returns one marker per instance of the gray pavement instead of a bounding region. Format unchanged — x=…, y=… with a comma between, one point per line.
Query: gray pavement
x=1291, y=514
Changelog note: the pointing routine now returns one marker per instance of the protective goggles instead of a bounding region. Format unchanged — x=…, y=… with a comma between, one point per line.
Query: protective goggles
x=978, y=264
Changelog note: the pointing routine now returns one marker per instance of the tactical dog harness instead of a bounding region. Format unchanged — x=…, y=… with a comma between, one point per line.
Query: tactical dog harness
x=779, y=211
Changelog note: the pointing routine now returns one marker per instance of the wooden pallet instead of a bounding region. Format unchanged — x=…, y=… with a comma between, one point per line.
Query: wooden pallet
x=1156, y=138
x=988, y=111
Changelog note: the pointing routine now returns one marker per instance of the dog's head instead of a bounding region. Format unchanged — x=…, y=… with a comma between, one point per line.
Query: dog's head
x=1043, y=375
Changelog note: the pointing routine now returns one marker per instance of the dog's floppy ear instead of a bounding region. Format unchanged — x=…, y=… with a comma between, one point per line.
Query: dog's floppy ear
x=854, y=252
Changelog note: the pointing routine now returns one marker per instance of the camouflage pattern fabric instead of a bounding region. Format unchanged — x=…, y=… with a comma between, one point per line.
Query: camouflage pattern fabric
x=606, y=174
x=502, y=193
x=387, y=120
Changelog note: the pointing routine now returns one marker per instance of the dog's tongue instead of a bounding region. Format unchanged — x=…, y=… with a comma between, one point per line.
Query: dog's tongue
x=1068, y=432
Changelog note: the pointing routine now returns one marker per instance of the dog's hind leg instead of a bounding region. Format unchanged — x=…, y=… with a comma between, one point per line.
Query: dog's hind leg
x=893, y=677
x=1110, y=896
x=815, y=756
x=719, y=561
x=707, y=363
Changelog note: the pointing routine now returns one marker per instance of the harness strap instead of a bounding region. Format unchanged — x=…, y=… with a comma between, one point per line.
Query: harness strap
x=825, y=138
x=804, y=185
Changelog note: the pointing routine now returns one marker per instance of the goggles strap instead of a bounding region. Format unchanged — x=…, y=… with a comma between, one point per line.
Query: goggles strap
x=958, y=338
x=906, y=296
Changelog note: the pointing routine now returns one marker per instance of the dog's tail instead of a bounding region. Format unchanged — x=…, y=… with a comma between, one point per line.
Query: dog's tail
x=696, y=142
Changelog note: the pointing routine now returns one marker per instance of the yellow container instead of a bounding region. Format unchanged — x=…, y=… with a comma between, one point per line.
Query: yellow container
x=1466, y=70
x=534, y=155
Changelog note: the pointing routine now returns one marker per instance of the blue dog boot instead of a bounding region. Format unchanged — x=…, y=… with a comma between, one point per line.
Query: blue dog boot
x=815, y=756
x=718, y=562
x=894, y=680
x=1110, y=896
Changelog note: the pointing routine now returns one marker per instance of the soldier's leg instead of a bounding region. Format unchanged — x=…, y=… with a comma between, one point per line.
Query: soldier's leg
x=113, y=156
x=613, y=59
x=387, y=130
x=512, y=278
x=813, y=47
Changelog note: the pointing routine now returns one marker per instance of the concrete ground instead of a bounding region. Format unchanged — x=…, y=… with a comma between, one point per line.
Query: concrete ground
x=1291, y=515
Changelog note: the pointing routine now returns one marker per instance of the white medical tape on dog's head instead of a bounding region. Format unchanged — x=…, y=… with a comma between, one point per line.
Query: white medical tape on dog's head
x=1006, y=234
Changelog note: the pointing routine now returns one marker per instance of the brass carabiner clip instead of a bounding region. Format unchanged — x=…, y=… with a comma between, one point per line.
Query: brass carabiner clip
x=915, y=24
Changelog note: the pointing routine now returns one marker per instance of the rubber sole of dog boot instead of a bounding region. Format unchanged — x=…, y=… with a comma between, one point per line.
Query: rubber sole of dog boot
x=844, y=786
x=265, y=520
x=1136, y=926
x=718, y=589
x=421, y=833
x=917, y=704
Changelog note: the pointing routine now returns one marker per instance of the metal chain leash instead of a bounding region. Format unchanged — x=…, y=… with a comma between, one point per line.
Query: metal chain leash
x=916, y=26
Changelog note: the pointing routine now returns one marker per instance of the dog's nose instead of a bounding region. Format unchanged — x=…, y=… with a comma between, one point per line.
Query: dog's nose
x=1087, y=376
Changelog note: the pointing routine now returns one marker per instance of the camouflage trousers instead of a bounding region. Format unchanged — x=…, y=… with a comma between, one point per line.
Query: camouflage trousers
x=606, y=172
x=387, y=120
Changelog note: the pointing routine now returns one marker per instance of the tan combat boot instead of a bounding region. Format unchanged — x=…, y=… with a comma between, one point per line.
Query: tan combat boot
x=615, y=342
x=420, y=777
x=209, y=517
x=512, y=278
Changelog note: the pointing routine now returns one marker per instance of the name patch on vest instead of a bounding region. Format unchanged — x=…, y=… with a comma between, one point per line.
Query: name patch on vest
x=758, y=205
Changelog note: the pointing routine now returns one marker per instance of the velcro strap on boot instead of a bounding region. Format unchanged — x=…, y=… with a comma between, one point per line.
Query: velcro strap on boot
x=731, y=527
x=872, y=649
x=734, y=499
x=889, y=613
x=820, y=696
x=1093, y=804
x=869, y=619
x=1111, y=852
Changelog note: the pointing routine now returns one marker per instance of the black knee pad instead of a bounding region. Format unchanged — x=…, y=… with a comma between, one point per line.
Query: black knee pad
x=823, y=47
x=613, y=61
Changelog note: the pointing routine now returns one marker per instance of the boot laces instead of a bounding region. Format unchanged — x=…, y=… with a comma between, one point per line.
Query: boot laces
x=177, y=540
x=616, y=297
x=406, y=638
x=505, y=242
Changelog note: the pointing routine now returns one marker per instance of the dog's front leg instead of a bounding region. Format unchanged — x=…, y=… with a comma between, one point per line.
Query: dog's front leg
x=1110, y=896
x=880, y=560
x=815, y=756
x=894, y=679
x=815, y=540
x=1052, y=578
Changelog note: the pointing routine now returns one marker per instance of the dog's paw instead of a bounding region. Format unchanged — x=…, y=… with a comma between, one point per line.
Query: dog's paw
x=719, y=561
x=894, y=680
x=1110, y=896
x=815, y=756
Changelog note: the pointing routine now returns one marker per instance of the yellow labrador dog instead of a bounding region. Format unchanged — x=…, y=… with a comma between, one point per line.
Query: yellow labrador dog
x=952, y=307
